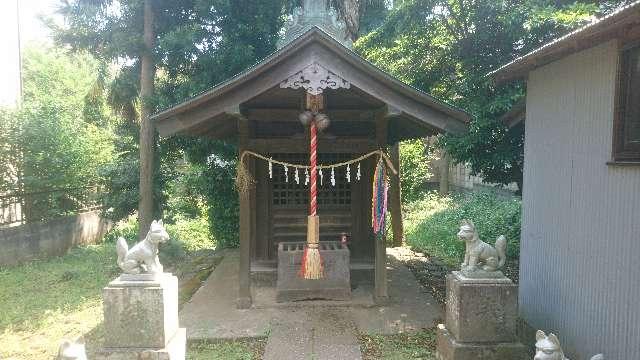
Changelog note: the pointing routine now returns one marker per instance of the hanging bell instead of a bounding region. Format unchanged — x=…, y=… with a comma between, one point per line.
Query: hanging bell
x=322, y=121
x=305, y=118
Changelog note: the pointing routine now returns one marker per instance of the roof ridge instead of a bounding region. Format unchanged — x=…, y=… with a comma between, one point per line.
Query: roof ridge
x=313, y=31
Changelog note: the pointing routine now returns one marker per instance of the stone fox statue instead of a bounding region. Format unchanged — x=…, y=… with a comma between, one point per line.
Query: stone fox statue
x=548, y=348
x=479, y=253
x=142, y=257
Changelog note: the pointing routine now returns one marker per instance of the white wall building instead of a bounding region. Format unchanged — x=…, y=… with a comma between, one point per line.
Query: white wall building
x=580, y=245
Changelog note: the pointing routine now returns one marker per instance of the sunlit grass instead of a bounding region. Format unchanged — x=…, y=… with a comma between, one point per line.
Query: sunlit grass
x=45, y=301
x=406, y=346
x=231, y=350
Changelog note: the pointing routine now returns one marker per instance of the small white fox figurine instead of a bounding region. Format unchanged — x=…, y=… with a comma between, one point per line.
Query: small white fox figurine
x=548, y=348
x=70, y=350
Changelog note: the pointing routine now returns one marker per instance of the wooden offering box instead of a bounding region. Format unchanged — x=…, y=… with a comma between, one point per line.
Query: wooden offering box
x=336, y=284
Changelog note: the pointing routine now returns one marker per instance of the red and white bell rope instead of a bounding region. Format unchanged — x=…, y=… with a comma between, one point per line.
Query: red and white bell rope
x=313, y=163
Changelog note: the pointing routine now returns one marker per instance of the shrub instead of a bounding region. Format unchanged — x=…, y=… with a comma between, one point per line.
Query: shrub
x=193, y=233
x=127, y=228
x=215, y=162
x=432, y=223
x=414, y=171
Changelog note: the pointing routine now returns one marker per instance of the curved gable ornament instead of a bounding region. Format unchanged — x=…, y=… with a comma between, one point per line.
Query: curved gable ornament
x=314, y=79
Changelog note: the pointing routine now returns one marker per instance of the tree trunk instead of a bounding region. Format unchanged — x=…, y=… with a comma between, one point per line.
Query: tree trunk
x=147, y=134
x=349, y=11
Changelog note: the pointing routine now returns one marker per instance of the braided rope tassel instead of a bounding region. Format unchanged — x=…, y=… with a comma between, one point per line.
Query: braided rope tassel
x=312, y=268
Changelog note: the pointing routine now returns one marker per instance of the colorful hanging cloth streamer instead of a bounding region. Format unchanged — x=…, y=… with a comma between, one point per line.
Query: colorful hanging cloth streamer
x=379, y=198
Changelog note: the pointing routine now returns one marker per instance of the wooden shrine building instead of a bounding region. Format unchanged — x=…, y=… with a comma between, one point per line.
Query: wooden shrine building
x=259, y=109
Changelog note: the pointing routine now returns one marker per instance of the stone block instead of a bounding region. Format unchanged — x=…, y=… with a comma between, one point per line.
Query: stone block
x=336, y=284
x=141, y=314
x=174, y=350
x=481, y=310
x=450, y=349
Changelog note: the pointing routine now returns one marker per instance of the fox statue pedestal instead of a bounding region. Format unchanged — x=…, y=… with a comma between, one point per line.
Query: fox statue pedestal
x=141, y=305
x=141, y=318
x=480, y=320
x=482, y=304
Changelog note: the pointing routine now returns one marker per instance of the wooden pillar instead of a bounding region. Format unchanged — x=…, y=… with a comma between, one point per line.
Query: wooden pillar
x=444, y=172
x=380, y=291
x=244, y=280
x=395, y=201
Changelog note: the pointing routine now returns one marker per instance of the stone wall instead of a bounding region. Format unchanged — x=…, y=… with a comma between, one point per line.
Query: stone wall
x=459, y=175
x=53, y=238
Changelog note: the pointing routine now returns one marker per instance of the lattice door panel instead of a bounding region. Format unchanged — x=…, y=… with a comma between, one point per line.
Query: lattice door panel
x=289, y=194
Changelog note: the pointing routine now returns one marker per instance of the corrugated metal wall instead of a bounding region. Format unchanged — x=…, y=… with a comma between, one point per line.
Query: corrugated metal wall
x=580, y=257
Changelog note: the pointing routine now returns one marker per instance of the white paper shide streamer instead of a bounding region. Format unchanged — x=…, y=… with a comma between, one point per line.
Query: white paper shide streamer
x=333, y=176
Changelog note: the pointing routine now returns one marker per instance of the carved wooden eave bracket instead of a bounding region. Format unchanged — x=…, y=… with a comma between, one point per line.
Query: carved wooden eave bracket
x=315, y=78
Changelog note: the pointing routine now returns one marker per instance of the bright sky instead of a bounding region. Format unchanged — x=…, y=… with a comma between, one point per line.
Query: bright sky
x=31, y=30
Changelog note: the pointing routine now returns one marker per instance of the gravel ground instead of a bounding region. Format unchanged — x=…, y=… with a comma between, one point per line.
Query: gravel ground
x=431, y=271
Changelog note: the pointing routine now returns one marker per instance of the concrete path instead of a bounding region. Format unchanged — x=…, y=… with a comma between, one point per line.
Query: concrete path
x=318, y=333
x=310, y=329
x=211, y=314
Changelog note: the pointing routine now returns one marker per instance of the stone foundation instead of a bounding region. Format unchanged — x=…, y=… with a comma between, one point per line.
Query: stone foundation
x=480, y=320
x=141, y=317
x=174, y=350
x=449, y=348
x=481, y=310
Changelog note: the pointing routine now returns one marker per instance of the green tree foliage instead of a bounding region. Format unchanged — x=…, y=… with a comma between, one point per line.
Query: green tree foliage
x=10, y=159
x=199, y=44
x=447, y=47
x=60, y=137
x=442, y=46
x=61, y=148
x=415, y=170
